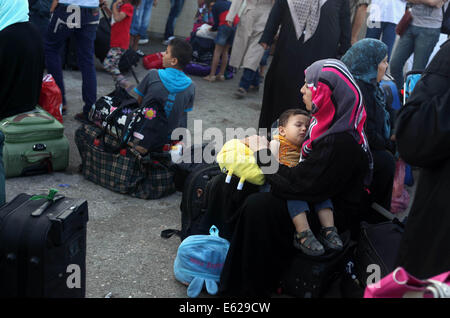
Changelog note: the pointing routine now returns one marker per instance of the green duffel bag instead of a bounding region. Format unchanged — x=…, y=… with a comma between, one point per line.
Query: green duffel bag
x=34, y=143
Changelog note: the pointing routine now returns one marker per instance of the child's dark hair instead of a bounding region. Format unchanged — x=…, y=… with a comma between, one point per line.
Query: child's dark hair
x=284, y=117
x=182, y=51
x=208, y=3
x=135, y=2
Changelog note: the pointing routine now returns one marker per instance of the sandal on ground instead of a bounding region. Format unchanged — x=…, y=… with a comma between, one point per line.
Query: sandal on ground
x=331, y=240
x=210, y=78
x=220, y=78
x=311, y=246
x=253, y=89
x=240, y=93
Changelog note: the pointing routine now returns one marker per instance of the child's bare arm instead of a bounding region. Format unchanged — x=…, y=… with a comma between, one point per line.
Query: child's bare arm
x=53, y=6
x=118, y=16
x=104, y=6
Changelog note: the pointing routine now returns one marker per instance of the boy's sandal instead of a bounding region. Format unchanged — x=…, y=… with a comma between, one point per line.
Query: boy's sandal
x=240, y=93
x=220, y=78
x=210, y=78
x=311, y=246
x=253, y=89
x=331, y=240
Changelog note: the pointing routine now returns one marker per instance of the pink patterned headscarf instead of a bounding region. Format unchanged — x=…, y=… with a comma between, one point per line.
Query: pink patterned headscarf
x=337, y=105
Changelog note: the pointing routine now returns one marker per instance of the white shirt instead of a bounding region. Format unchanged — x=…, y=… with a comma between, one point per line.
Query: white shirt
x=387, y=10
x=82, y=3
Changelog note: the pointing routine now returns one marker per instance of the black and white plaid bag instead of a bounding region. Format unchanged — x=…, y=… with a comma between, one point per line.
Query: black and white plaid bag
x=124, y=171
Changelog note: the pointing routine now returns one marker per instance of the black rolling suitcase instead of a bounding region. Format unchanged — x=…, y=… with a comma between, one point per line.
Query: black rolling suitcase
x=378, y=245
x=43, y=247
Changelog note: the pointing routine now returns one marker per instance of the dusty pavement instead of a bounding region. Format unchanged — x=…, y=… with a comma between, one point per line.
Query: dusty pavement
x=125, y=253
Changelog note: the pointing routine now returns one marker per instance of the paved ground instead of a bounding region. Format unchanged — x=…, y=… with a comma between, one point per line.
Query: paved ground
x=125, y=253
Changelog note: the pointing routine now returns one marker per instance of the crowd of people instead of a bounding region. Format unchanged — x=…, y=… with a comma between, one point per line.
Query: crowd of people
x=338, y=139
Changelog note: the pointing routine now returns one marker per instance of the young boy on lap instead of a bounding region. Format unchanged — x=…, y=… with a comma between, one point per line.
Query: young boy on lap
x=293, y=127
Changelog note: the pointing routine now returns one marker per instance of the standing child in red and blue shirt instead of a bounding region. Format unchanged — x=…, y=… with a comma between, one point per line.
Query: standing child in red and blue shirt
x=224, y=39
x=122, y=15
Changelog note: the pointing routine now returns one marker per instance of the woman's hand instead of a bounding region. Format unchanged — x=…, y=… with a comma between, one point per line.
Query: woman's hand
x=264, y=45
x=256, y=143
x=53, y=6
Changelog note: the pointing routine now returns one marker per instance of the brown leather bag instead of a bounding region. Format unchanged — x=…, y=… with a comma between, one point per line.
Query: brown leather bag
x=404, y=23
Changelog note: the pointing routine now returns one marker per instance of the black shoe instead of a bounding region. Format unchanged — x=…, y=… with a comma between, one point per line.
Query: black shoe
x=311, y=246
x=81, y=117
x=140, y=53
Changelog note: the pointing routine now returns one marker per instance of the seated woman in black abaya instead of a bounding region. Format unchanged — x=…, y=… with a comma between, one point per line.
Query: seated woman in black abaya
x=367, y=61
x=335, y=164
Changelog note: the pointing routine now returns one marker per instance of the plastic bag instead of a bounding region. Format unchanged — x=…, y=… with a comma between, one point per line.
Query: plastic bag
x=51, y=97
x=400, y=197
x=152, y=61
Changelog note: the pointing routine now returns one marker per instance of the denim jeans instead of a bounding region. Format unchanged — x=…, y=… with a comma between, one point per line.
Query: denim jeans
x=2, y=171
x=39, y=22
x=265, y=57
x=141, y=19
x=225, y=35
x=57, y=33
x=417, y=40
x=175, y=9
x=388, y=31
x=248, y=78
x=295, y=207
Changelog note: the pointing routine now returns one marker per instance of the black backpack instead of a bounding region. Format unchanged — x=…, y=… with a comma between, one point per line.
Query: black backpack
x=207, y=200
x=143, y=125
x=378, y=245
x=101, y=47
x=312, y=277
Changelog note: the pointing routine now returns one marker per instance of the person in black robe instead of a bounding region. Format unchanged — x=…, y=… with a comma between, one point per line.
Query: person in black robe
x=323, y=33
x=335, y=163
x=367, y=61
x=21, y=60
x=423, y=140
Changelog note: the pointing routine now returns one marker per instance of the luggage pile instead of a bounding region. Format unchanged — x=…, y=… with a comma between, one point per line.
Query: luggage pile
x=124, y=148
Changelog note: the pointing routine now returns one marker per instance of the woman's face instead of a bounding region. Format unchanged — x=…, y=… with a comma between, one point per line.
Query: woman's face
x=382, y=67
x=307, y=97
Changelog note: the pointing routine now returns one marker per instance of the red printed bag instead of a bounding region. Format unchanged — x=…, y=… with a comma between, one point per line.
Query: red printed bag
x=51, y=97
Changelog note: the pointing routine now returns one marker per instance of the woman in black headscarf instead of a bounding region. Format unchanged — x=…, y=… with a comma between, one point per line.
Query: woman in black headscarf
x=21, y=65
x=423, y=137
x=311, y=30
x=367, y=61
x=335, y=164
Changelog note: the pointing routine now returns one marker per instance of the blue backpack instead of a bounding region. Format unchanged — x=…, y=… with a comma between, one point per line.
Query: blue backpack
x=200, y=260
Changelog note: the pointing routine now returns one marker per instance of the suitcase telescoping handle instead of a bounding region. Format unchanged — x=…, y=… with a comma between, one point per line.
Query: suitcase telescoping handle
x=52, y=197
x=387, y=214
